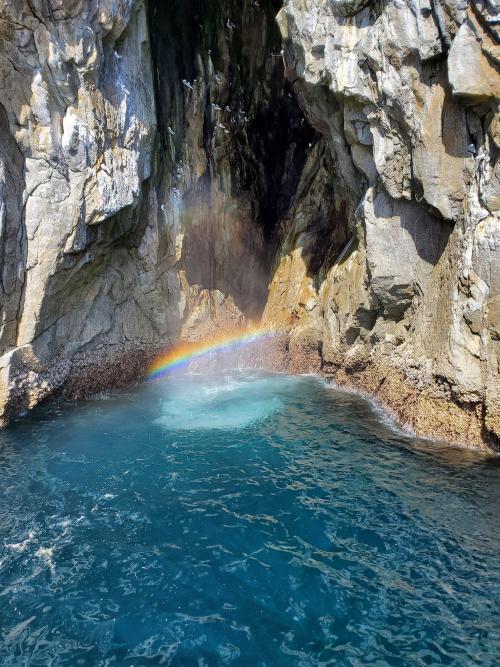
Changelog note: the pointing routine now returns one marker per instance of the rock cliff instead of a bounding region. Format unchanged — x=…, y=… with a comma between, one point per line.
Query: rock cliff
x=167, y=169
x=388, y=271
x=85, y=279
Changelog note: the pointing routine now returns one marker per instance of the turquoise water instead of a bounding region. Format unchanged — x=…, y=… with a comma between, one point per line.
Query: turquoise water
x=242, y=519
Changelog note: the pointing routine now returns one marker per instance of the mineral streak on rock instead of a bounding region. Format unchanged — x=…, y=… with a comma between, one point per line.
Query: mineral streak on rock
x=170, y=169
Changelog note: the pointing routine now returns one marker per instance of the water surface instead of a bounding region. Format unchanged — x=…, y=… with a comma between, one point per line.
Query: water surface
x=244, y=519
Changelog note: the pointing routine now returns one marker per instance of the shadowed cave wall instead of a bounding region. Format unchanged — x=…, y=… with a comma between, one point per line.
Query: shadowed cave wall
x=233, y=141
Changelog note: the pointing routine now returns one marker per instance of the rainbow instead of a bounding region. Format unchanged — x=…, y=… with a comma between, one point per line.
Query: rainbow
x=181, y=355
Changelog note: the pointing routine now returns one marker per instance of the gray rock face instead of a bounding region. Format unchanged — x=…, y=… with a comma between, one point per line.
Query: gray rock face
x=348, y=7
x=406, y=95
x=80, y=234
x=145, y=154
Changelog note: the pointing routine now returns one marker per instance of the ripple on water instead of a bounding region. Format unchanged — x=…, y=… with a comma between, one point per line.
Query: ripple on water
x=245, y=519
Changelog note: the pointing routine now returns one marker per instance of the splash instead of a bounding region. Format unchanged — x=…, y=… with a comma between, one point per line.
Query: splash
x=229, y=400
x=182, y=355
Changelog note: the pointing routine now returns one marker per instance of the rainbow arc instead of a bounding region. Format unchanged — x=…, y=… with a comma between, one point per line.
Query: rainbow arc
x=183, y=354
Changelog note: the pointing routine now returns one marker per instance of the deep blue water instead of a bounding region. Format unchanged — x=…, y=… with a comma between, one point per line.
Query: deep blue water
x=242, y=519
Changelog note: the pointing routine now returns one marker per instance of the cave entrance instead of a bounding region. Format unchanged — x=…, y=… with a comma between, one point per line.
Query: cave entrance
x=233, y=143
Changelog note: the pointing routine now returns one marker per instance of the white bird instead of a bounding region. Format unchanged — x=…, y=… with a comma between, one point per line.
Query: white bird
x=170, y=131
x=187, y=84
x=215, y=107
x=227, y=109
x=163, y=208
x=209, y=52
x=218, y=79
x=117, y=55
x=230, y=24
x=221, y=126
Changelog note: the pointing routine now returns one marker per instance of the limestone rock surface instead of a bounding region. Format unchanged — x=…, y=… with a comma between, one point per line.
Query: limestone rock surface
x=405, y=94
x=80, y=235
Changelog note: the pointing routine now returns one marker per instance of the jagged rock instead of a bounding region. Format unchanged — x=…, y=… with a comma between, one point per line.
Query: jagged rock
x=77, y=129
x=420, y=271
x=107, y=200
x=349, y=7
x=155, y=169
x=474, y=62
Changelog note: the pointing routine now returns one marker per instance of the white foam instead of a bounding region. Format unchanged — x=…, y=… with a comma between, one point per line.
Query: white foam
x=46, y=554
x=222, y=401
x=383, y=413
x=21, y=546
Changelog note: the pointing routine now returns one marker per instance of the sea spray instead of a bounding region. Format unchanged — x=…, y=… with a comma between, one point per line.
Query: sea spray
x=223, y=349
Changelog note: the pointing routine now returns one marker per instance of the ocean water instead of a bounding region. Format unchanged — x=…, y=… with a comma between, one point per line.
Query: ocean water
x=243, y=519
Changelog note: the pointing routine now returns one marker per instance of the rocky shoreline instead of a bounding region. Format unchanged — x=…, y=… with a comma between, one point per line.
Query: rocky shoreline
x=83, y=377
x=428, y=411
